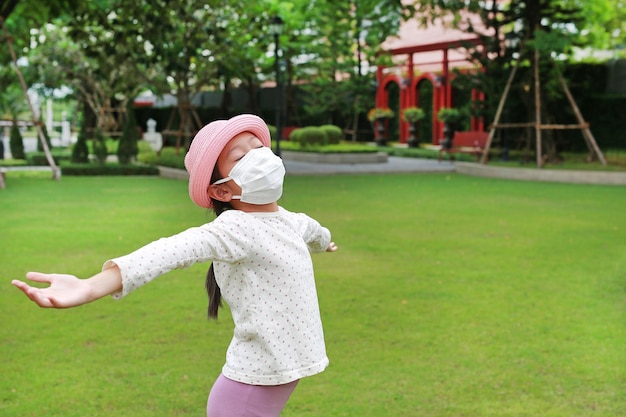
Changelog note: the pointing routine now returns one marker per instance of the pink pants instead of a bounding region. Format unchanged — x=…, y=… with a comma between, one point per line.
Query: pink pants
x=229, y=398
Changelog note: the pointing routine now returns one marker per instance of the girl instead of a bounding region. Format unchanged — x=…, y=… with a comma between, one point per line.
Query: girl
x=261, y=266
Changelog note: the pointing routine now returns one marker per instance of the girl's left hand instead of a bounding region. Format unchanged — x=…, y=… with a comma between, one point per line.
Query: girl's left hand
x=332, y=247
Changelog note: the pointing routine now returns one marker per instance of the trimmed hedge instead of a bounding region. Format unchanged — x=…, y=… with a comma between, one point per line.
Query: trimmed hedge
x=333, y=133
x=108, y=169
x=39, y=158
x=309, y=136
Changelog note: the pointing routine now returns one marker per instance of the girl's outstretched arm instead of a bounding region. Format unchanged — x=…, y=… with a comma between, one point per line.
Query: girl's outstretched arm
x=67, y=291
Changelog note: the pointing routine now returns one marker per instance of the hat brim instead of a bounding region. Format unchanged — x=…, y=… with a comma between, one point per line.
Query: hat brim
x=207, y=146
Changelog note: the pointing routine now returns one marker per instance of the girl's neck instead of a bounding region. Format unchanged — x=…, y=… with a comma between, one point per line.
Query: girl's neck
x=254, y=208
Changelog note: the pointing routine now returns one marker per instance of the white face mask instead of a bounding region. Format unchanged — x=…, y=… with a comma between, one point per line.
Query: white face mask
x=260, y=175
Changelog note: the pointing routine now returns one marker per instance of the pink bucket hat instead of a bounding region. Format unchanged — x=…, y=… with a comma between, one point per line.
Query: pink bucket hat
x=207, y=146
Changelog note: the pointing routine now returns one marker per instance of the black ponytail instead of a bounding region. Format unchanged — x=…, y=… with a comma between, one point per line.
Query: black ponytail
x=212, y=289
x=214, y=293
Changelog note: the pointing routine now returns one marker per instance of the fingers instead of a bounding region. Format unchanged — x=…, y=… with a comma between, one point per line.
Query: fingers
x=35, y=294
x=19, y=284
x=39, y=277
x=332, y=247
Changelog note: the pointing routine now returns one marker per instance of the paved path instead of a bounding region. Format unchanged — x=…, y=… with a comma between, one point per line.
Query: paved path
x=416, y=165
x=393, y=165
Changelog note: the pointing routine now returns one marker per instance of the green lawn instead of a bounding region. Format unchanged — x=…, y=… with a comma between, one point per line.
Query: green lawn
x=449, y=296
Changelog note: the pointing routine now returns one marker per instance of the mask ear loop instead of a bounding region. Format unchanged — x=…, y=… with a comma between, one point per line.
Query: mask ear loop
x=222, y=181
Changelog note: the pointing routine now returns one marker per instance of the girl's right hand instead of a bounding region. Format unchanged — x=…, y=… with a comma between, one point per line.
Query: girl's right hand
x=64, y=290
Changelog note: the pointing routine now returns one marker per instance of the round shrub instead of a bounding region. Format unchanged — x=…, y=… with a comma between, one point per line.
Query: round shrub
x=294, y=136
x=272, y=130
x=333, y=133
x=311, y=136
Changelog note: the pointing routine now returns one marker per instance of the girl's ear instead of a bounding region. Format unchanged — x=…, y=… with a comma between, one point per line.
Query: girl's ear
x=220, y=193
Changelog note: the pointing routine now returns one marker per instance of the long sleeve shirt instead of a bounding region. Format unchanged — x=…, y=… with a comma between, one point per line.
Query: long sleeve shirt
x=263, y=267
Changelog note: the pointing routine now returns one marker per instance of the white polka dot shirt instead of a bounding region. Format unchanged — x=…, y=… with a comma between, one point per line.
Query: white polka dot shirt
x=263, y=267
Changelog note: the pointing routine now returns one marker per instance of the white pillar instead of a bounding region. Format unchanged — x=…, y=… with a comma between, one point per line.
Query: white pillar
x=49, y=116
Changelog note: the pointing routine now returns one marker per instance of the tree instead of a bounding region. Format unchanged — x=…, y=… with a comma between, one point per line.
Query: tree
x=127, y=145
x=16, y=33
x=80, y=151
x=179, y=48
x=12, y=104
x=16, y=142
x=80, y=51
x=99, y=147
x=346, y=38
x=530, y=34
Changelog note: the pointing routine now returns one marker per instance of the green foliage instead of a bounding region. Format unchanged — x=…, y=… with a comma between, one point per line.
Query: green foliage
x=272, y=130
x=294, y=136
x=552, y=27
x=334, y=134
x=145, y=153
x=344, y=147
x=40, y=159
x=99, y=147
x=424, y=153
x=309, y=136
x=13, y=162
x=80, y=151
x=413, y=114
x=450, y=115
x=170, y=158
x=380, y=113
x=344, y=41
x=127, y=146
x=107, y=169
x=167, y=157
x=16, y=142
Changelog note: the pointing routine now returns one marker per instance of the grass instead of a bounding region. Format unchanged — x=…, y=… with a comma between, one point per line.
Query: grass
x=450, y=296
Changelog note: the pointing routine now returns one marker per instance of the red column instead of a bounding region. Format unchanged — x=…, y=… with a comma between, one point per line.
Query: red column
x=437, y=104
x=380, y=90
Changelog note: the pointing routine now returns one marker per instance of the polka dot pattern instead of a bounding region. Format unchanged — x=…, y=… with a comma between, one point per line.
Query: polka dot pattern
x=263, y=267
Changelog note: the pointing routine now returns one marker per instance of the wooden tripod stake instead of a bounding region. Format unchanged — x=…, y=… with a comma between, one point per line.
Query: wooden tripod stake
x=582, y=124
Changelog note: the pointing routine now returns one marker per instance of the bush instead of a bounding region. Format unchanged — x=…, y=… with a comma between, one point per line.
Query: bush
x=108, y=169
x=333, y=133
x=39, y=158
x=272, y=130
x=294, y=136
x=343, y=147
x=16, y=142
x=146, y=154
x=450, y=115
x=80, y=151
x=309, y=136
x=127, y=146
x=99, y=147
x=413, y=114
x=13, y=163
